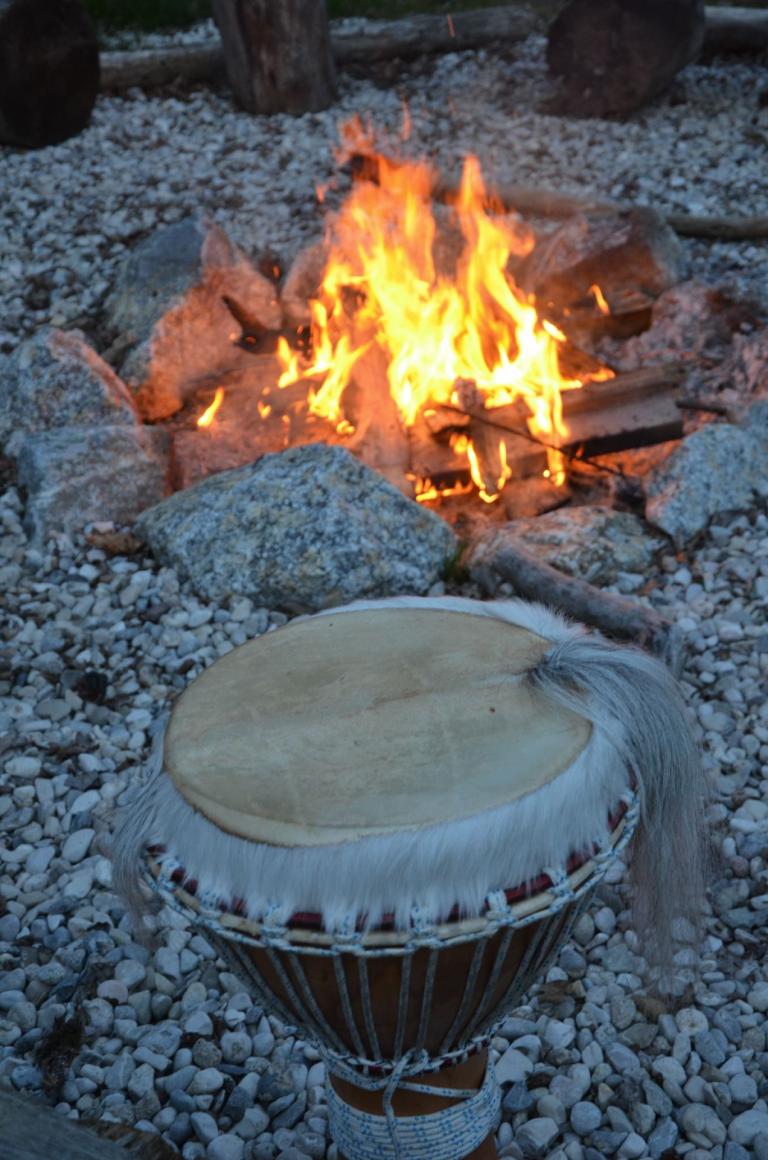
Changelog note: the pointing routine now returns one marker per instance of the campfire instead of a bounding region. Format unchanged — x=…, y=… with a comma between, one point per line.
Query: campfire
x=423, y=353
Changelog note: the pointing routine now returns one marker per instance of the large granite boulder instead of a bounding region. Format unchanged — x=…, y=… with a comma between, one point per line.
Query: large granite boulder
x=74, y=476
x=592, y=543
x=719, y=468
x=173, y=329
x=303, y=530
x=613, y=56
x=57, y=380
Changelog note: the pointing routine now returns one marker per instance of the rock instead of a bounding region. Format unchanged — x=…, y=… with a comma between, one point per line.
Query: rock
x=513, y=1067
x=718, y=468
x=227, y=1147
x=536, y=1135
x=204, y=1127
x=712, y=1046
x=80, y=475
x=702, y=1125
x=633, y=257
x=301, y=531
x=206, y=1082
x=744, y=1127
x=303, y=282
x=236, y=1046
x=170, y=318
x=663, y=1137
x=77, y=845
x=613, y=56
x=57, y=380
x=164, y=1038
x=141, y=1081
x=585, y=1118
x=518, y=1099
x=592, y=543
x=49, y=71
x=559, y=1034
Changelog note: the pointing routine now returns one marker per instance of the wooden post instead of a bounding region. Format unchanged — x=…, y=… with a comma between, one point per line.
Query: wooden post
x=277, y=54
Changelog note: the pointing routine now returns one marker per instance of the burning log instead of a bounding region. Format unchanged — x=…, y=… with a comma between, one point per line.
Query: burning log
x=277, y=56
x=380, y=440
x=634, y=409
x=614, y=615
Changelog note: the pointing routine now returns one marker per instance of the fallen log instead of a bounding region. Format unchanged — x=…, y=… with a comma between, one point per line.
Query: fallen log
x=534, y=201
x=616, y=616
x=736, y=30
x=152, y=67
x=727, y=30
x=429, y=34
x=547, y=203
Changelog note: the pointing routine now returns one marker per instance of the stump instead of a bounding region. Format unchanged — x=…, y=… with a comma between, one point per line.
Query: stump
x=277, y=55
x=49, y=71
x=612, y=56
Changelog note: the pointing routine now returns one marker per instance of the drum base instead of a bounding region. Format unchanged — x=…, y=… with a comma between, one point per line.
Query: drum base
x=469, y=1074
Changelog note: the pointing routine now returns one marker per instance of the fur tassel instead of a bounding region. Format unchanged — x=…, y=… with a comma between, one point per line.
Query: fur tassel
x=637, y=705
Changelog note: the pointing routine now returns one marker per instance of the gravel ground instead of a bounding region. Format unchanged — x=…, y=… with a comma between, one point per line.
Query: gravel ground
x=96, y=645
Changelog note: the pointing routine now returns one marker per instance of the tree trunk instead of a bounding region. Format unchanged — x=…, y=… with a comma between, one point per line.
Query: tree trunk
x=49, y=71
x=277, y=54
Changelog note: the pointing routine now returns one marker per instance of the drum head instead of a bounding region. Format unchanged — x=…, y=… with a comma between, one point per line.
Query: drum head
x=374, y=721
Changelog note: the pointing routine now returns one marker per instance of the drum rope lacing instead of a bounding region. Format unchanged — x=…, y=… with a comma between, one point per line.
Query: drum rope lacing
x=460, y=1128
x=390, y=1137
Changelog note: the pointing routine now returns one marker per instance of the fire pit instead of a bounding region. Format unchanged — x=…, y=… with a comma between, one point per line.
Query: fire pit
x=412, y=337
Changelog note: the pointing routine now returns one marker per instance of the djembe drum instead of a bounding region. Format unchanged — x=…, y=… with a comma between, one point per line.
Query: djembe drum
x=387, y=817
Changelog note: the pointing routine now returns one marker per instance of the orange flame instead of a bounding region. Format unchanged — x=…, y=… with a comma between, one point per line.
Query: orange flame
x=381, y=285
x=209, y=413
x=602, y=305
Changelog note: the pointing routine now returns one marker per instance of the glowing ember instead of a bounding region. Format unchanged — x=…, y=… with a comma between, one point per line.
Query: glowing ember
x=381, y=286
x=209, y=413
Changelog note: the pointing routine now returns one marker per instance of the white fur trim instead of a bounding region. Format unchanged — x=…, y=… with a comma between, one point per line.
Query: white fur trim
x=437, y=867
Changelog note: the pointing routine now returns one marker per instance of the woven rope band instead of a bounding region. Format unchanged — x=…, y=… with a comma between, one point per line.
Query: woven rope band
x=450, y=1134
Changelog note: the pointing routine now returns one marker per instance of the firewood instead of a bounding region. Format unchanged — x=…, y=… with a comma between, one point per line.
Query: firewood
x=380, y=439
x=625, y=387
x=616, y=616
